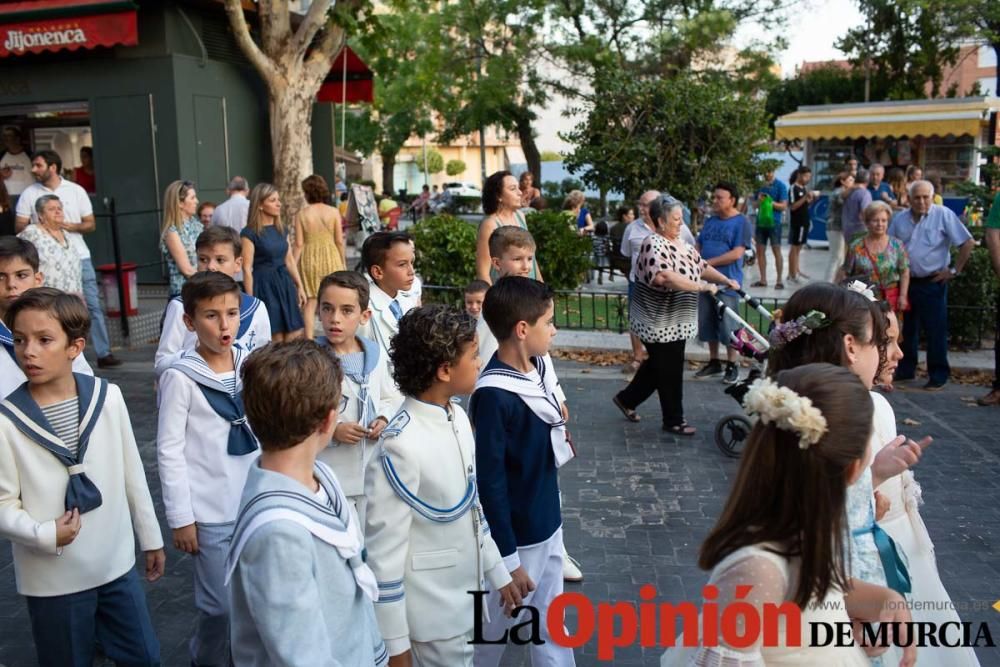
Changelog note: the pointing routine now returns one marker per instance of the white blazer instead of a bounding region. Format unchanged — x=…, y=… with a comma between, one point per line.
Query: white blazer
x=349, y=461
x=383, y=326
x=427, y=539
x=201, y=481
x=32, y=496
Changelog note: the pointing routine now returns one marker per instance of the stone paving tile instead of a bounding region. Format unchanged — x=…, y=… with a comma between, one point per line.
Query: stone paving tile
x=638, y=502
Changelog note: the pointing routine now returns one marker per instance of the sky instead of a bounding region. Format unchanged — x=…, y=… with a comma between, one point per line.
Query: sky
x=813, y=28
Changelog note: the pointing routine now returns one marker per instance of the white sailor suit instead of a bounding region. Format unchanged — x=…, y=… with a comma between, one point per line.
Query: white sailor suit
x=204, y=449
x=383, y=325
x=254, y=331
x=11, y=375
x=427, y=539
x=365, y=396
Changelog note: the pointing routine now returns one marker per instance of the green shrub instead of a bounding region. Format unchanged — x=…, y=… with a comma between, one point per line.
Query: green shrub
x=977, y=287
x=562, y=254
x=454, y=167
x=435, y=162
x=446, y=250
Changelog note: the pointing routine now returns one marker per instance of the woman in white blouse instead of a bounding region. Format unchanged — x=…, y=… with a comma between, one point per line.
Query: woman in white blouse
x=58, y=260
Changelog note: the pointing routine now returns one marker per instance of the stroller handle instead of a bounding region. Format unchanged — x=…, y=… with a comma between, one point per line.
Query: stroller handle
x=755, y=303
x=725, y=311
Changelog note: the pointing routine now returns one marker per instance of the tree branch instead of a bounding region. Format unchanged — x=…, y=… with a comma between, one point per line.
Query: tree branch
x=241, y=32
x=318, y=64
x=275, y=26
x=315, y=19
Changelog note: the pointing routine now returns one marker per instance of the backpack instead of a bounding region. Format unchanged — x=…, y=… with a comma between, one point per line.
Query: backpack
x=765, y=212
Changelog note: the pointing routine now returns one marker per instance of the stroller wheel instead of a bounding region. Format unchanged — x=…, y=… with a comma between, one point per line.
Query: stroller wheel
x=730, y=434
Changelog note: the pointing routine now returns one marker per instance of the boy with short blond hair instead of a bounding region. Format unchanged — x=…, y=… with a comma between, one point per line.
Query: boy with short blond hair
x=219, y=249
x=300, y=592
x=18, y=273
x=73, y=495
x=204, y=449
x=521, y=440
x=370, y=397
x=422, y=499
x=388, y=258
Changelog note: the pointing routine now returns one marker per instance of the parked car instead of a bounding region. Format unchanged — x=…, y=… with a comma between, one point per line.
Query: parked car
x=462, y=189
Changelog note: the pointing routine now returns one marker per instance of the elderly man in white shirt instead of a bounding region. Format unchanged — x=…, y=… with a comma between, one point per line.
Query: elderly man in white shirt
x=79, y=219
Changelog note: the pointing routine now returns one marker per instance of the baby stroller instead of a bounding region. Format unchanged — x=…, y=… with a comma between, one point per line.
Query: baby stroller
x=732, y=430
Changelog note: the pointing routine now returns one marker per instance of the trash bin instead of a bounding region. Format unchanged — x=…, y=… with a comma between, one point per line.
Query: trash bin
x=109, y=286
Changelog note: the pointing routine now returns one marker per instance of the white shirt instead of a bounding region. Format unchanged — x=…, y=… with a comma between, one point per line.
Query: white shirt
x=76, y=206
x=20, y=166
x=232, y=213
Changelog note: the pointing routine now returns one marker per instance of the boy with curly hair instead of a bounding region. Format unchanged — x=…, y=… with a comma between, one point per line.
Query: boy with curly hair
x=428, y=542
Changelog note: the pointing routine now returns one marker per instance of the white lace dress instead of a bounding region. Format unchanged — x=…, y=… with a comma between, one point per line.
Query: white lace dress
x=903, y=523
x=773, y=578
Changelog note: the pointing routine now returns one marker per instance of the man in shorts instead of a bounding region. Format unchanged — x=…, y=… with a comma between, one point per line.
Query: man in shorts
x=769, y=231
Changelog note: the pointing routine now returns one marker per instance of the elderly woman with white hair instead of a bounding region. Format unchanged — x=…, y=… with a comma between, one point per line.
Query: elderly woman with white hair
x=879, y=260
x=58, y=260
x=663, y=313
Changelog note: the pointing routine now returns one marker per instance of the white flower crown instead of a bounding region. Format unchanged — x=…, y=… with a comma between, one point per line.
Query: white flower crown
x=787, y=410
x=861, y=288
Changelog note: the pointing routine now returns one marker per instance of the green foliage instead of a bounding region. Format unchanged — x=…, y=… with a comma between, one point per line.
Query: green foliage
x=679, y=135
x=550, y=156
x=551, y=190
x=435, y=162
x=570, y=184
x=446, y=250
x=975, y=288
x=825, y=85
x=562, y=254
x=454, y=168
x=981, y=195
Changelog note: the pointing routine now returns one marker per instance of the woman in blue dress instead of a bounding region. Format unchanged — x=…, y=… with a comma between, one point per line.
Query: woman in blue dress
x=269, y=270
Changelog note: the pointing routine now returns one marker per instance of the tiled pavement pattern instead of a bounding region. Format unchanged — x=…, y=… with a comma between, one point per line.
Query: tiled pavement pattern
x=638, y=502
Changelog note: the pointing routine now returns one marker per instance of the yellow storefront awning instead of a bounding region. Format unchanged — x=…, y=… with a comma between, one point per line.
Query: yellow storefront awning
x=926, y=118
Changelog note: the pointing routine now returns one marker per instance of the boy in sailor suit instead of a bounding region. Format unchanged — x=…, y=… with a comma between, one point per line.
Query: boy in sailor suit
x=204, y=449
x=369, y=397
x=218, y=249
x=19, y=272
x=387, y=258
x=521, y=440
x=72, y=490
x=512, y=253
x=300, y=591
x=427, y=541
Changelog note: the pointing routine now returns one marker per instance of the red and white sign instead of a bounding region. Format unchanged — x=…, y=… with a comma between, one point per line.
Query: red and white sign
x=78, y=32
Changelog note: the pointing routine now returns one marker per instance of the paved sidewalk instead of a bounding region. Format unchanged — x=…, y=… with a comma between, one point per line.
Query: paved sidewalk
x=638, y=502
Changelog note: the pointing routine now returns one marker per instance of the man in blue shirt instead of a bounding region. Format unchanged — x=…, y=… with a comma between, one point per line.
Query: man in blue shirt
x=778, y=192
x=877, y=187
x=722, y=243
x=929, y=231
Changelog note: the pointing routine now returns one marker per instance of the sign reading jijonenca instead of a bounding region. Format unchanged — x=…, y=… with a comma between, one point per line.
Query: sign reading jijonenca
x=78, y=32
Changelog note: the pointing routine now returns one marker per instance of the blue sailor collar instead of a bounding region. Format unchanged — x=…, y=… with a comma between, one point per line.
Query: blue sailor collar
x=7, y=341
x=27, y=416
x=369, y=348
x=194, y=366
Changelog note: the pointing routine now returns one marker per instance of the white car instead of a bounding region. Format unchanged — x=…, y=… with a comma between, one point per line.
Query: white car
x=462, y=189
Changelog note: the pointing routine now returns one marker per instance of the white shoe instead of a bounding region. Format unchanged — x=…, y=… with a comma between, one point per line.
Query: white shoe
x=571, y=568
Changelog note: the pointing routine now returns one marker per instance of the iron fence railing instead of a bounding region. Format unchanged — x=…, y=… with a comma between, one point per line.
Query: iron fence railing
x=969, y=326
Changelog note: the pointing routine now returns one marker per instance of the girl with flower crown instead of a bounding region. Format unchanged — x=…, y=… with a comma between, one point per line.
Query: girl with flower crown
x=783, y=529
x=900, y=518
x=851, y=333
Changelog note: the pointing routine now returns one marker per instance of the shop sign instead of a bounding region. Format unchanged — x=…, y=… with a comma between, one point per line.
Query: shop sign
x=84, y=32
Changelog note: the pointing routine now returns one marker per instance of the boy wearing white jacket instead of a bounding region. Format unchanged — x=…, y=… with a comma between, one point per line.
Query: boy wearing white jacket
x=369, y=397
x=204, y=450
x=72, y=491
x=427, y=539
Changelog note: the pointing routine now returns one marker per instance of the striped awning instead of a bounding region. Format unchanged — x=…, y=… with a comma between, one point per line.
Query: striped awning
x=928, y=118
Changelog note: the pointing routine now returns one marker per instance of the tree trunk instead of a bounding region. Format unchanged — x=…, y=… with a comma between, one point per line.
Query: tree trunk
x=528, y=145
x=290, y=109
x=388, y=169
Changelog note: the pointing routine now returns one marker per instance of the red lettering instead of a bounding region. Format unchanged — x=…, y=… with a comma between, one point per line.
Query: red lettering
x=647, y=617
x=607, y=640
x=793, y=624
x=710, y=616
x=585, y=620
x=731, y=632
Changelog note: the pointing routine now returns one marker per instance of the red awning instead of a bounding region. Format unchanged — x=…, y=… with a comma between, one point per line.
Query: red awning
x=33, y=26
x=359, y=80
